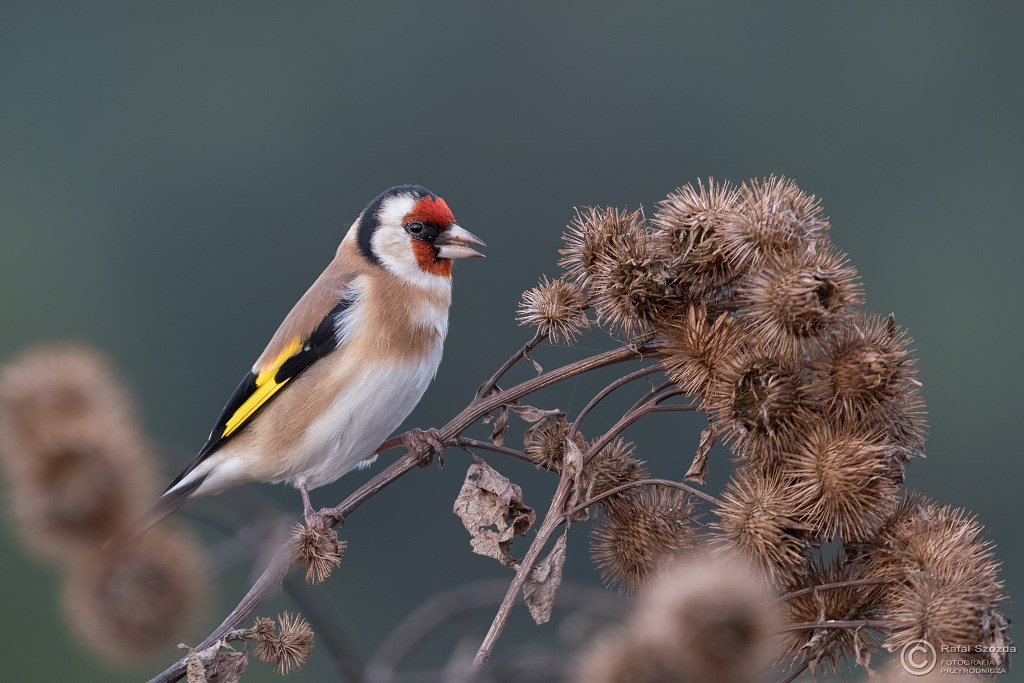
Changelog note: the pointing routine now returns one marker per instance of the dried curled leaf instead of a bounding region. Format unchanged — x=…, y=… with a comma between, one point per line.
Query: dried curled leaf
x=582, y=483
x=492, y=509
x=699, y=467
x=500, y=427
x=543, y=582
x=219, y=663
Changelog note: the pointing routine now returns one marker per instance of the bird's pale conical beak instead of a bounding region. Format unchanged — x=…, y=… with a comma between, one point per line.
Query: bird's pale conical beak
x=454, y=243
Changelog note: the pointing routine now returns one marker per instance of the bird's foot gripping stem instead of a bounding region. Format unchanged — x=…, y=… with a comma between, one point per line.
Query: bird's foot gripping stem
x=425, y=443
x=327, y=518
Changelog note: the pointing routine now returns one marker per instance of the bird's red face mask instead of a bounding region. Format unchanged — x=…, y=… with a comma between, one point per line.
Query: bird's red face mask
x=436, y=238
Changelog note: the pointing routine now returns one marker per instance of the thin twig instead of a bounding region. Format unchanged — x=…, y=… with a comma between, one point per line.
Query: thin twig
x=836, y=624
x=832, y=586
x=489, y=385
x=651, y=394
x=600, y=396
x=644, y=482
x=552, y=520
x=494, y=448
x=625, y=421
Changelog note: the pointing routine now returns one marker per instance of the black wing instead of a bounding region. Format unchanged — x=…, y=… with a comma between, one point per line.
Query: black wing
x=256, y=391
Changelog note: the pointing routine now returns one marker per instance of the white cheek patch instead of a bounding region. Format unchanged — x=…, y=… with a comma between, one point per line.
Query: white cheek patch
x=393, y=246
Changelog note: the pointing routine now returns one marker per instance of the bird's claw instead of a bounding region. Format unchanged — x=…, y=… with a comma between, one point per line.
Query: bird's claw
x=425, y=443
x=327, y=519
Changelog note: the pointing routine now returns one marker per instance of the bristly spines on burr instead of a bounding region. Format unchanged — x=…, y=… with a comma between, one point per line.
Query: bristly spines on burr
x=639, y=533
x=556, y=308
x=840, y=479
x=286, y=644
x=759, y=402
x=792, y=300
x=773, y=217
x=688, y=226
x=698, y=346
x=758, y=522
x=942, y=578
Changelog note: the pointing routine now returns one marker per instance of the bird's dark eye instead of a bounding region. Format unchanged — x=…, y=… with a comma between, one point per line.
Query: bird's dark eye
x=415, y=228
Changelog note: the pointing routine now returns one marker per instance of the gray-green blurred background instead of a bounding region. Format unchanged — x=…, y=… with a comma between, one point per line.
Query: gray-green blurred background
x=173, y=176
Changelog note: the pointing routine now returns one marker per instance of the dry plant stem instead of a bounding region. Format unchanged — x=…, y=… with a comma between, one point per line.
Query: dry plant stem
x=488, y=386
x=831, y=586
x=836, y=623
x=654, y=392
x=629, y=418
x=601, y=395
x=552, y=520
x=272, y=576
x=494, y=448
x=647, y=482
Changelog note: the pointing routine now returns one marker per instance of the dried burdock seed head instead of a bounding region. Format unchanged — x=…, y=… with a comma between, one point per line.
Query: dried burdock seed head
x=631, y=289
x=940, y=541
x=56, y=385
x=263, y=629
x=757, y=523
x=639, y=533
x=758, y=402
x=79, y=469
x=287, y=646
x=773, y=217
x=866, y=365
x=790, y=302
x=127, y=601
x=946, y=609
x=701, y=620
x=556, y=308
x=313, y=547
x=828, y=648
x=546, y=445
x=620, y=656
x=615, y=465
x=687, y=226
x=589, y=238
x=86, y=483
x=710, y=617
x=697, y=346
x=840, y=479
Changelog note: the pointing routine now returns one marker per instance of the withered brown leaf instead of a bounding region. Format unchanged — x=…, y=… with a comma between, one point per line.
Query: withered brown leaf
x=582, y=482
x=699, y=467
x=217, y=664
x=543, y=581
x=500, y=427
x=492, y=509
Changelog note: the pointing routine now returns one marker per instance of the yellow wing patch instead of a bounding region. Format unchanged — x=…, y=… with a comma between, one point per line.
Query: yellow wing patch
x=266, y=386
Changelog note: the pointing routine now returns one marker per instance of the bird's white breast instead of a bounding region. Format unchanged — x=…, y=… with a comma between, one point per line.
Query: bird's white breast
x=372, y=402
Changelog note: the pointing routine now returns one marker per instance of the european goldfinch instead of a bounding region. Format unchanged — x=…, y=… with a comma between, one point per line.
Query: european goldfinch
x=348, y=364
